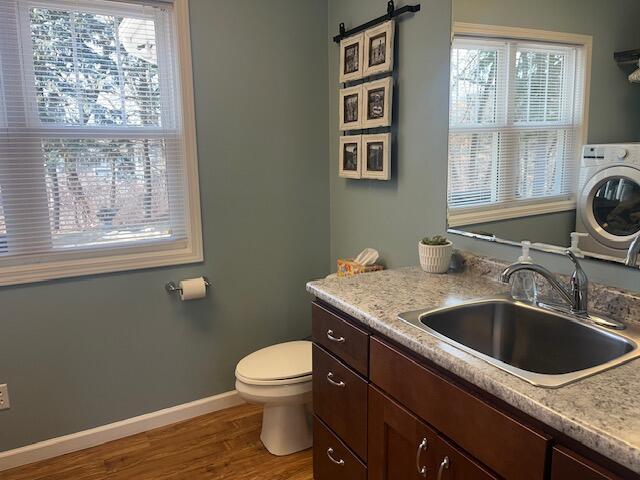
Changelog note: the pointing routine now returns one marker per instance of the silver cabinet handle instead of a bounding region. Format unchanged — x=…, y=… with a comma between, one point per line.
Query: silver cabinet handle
x=443, y=466
x=333, y=382
x=422, y=470
x=330, y=455
x=333, y=338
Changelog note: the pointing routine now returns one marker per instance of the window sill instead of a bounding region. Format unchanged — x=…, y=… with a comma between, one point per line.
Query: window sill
x=75, y=267
x=474, y=216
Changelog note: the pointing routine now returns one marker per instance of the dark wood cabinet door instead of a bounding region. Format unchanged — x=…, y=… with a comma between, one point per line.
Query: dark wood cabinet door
x=568, y=465
x=454, y=464
x=401, y=447
x=508, y=446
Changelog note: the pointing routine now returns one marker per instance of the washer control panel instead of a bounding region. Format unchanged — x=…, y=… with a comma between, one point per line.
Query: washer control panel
x=607, y=154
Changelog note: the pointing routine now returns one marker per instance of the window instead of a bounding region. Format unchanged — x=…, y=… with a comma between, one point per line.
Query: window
x=516, y=127
x=97, y=160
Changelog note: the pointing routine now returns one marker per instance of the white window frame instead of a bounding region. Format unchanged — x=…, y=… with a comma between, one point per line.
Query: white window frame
x=489, y=213
x=50, y=265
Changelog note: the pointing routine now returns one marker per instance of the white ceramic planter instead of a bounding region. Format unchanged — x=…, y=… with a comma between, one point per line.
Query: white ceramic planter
x=435, y=258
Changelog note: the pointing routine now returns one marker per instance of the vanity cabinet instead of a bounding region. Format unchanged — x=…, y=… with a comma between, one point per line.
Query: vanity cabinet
x=384, y=413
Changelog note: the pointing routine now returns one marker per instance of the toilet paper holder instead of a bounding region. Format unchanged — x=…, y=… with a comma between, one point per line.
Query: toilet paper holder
x=172, y=287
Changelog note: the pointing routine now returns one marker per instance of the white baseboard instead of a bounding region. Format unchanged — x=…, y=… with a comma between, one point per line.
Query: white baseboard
x=113, y=431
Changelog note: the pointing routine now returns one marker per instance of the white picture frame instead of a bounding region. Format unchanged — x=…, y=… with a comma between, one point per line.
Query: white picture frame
x=351, y=55
x=351, y=110
x=378, y=49
x=377, y=103
x=375, y=153
x=350, y=156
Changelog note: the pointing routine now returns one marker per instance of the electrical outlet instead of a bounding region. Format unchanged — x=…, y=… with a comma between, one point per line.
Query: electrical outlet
x=4, y=397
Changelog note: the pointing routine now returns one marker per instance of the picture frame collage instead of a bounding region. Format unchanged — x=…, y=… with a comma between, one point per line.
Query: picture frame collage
x=366, y=105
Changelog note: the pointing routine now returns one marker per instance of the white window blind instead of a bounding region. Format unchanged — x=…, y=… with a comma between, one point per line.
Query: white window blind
x=515, y=123
x=92, y=142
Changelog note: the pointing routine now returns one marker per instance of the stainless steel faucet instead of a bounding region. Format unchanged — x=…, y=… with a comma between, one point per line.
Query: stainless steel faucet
x=577, y=297
x=632, y=254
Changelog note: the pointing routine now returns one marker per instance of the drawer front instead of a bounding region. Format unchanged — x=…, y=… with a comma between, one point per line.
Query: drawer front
x=346, y=341
x=505, y=445
x=332, y=460
x=340, y=400
x=566, y=464
x=456, y=465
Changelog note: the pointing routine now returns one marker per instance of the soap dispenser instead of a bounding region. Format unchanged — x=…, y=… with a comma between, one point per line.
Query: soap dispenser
x=575, y=238
x=524, y=287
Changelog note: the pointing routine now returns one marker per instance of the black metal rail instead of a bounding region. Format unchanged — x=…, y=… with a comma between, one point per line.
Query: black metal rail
x=628, y=56
x=391, y=13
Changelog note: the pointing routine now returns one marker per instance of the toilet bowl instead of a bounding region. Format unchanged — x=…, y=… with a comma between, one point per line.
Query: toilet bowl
x=279, y=378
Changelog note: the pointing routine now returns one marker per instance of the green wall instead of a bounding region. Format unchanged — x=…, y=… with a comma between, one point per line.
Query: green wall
x=84, y=352
x=393, y=216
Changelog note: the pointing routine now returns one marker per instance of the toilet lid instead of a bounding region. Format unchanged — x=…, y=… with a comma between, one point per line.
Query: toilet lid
x=277, y=362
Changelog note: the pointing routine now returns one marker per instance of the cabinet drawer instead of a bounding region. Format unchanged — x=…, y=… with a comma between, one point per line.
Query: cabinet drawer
x=346, y=341
x=332, y=460
x=340, y=400
x=510, y=448
x=566, y=464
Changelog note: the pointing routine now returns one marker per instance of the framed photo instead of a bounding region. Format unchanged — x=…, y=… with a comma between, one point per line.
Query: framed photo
x=351, y=55
x=376, y=156
x=378, y=99
x=350, y=156
x=378, y=49
x=351, y=100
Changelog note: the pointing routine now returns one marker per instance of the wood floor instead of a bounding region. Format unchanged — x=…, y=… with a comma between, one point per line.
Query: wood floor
x=221, y=445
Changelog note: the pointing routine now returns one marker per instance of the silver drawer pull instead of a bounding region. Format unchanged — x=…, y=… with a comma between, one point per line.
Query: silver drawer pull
x=422, y=470
x=443, y=466
x=333, y=382
x=333, y=338
x=330, y=455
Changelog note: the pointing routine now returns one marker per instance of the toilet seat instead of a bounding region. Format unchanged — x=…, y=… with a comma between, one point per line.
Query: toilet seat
x=283, y=364
x=275, y=383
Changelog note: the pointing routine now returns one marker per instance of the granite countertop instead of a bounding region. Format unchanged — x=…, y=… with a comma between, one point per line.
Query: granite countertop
x=601, y=412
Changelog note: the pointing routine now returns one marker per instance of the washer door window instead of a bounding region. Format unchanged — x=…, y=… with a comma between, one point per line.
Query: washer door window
x=612, y=206
x=616, y=206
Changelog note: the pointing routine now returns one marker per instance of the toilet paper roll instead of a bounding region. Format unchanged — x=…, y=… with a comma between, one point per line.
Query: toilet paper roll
x=193, y=288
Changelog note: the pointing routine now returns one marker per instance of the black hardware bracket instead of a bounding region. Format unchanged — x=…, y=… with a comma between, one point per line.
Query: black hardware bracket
x=391, y=13
x=628, y=56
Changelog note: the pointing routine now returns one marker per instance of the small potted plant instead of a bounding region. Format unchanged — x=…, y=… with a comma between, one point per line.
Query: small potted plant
x=435, y=254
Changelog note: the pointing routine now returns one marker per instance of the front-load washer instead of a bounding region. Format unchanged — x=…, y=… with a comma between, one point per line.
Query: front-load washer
x=608, y=199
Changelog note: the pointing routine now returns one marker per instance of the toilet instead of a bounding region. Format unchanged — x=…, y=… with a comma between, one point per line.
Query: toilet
x=279, y=378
